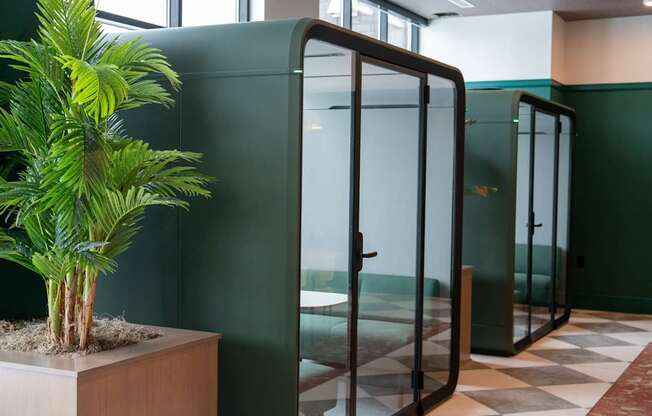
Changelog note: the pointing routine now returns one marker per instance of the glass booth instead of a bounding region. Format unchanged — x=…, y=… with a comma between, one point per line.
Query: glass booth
x=330, y=254
x=518, y=170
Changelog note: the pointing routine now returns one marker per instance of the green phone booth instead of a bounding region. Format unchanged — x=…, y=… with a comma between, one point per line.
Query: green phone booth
x=330, y=254
x=518, y=167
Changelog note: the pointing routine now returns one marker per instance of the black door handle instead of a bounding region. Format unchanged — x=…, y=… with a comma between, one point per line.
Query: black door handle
x=369, y=255
x=538, y=225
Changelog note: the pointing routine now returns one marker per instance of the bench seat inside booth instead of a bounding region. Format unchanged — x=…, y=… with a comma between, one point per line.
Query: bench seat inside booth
x=381, y=323
x=541, y=274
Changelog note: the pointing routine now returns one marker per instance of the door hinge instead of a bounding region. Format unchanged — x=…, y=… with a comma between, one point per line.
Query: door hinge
x=417, y=380
x=426, y=94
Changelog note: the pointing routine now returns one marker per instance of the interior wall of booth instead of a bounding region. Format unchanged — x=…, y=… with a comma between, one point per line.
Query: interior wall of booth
x=389, y=141
x=23, y=292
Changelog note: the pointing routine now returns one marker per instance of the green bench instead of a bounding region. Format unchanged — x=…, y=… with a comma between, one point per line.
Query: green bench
x=541, y=274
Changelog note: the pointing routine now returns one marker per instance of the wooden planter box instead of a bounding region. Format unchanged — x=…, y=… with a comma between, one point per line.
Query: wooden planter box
x=173, y=375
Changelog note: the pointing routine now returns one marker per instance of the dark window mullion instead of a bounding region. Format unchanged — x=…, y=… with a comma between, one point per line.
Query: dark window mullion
x=243, y=10
x=174, y=13
x=384, y=21
x=414, y=45
x=347, y=14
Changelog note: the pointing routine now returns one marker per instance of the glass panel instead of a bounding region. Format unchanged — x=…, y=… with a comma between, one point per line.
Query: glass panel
x=152, y=11
x=388, y=221
x=398, y=30
x=437, y=303
x=325, y=222
x=366, y=18
x=544, y=195
x=209, y=12
x=521, y=308
x=563, y=214
x=331, y=11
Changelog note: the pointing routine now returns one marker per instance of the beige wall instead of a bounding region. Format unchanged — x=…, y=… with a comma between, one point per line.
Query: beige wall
x=617, y=50
x=282, y=9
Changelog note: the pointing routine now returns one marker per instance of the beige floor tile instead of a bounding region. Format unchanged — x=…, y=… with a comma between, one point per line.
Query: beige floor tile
x=566, y=412
x=461, y=405
x=645, y=325
x=587, y=320
x=473, y=380
x=636, y=338
x=549, y=343
x=521, y=360
x=583, y=395
x=383, y=366
x=608, y=372
x=336, y=388
x=626, y=353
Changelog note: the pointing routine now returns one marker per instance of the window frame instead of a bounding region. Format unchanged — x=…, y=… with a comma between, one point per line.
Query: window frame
x=386, y=7
x=175, y=17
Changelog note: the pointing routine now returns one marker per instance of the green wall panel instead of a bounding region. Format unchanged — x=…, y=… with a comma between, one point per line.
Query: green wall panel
x=612, y=221
x=23, y=292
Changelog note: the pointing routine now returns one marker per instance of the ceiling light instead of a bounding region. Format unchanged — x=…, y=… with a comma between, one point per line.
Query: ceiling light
x=464, y=4
x=648, y=3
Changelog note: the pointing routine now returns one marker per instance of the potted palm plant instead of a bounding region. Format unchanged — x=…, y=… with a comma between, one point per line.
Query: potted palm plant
x=83, y=187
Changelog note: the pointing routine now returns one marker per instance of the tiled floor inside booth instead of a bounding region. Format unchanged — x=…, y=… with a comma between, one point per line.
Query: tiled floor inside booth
x=563, y=374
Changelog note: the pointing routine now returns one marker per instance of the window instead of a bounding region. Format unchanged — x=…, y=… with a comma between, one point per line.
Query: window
x=208, y=12
x=331, y=11
x=379, y=19
x=365, y=18
x=398, y=30
x=121, y=15
x=149, y=11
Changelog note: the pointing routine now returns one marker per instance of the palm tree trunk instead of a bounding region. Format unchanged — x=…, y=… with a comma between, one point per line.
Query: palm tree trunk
x=70, y=307
x=90, y=288
x=54, y=310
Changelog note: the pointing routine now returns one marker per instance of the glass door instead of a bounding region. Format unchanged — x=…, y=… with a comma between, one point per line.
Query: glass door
x=521, y=311
x=563, y=213
x=542, y=223
x=390, y=134
x=367, y=346
x=326, y=238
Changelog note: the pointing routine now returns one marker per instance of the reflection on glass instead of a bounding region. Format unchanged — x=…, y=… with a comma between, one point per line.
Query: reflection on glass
x=543, y=203
x=365, y=18
x=331, y=11
x=563, y=212
x=437, y=304
x=326, y=172
x=209, y=12
x=151, y=11
x=521, y=307
x=398, y=31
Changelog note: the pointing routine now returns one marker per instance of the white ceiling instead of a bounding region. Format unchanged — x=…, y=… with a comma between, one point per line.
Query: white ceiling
x=567, y=9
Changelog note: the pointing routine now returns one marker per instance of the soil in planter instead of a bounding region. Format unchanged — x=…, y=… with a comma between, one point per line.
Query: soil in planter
x=106, y=334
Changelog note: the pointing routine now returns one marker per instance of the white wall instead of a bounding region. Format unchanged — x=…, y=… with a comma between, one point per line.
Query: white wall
x=601, y=51
x=492, y=48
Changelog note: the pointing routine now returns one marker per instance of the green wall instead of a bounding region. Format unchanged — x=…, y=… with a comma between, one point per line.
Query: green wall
x=23, y=292
x=612, y=198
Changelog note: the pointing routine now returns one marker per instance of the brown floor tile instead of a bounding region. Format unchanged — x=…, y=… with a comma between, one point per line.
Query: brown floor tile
x=519, y=400
x=591, y=340
x=573, y=356
x=549, y=376
x=608, y=327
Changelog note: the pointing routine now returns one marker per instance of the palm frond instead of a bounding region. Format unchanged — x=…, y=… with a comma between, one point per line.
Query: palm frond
x=116, y=216
x=70, y=28
x=5, y=92
x=99, y=88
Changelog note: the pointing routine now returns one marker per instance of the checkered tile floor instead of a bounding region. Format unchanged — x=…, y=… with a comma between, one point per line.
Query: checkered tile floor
x=563, y=374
